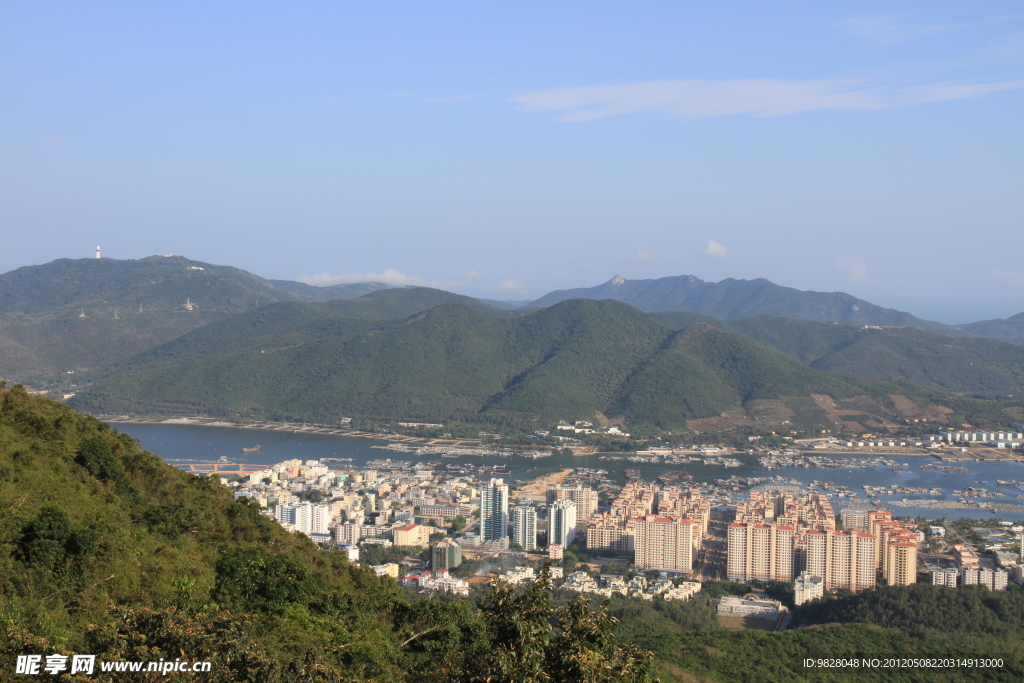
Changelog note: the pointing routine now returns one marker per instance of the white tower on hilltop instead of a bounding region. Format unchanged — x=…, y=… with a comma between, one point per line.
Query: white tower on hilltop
x=97, y=252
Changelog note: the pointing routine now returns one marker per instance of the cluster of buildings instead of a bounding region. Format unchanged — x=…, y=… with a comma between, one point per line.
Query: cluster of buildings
x=968, y=570
x=660, y=527
x=995, y=439
x=780, y=535
x=636, y=587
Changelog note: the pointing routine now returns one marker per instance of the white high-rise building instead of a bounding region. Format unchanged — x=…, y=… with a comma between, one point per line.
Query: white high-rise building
x=562, y=523
x=760, y=551
x=306, y=518
x=665, y=544
x=524, y=526
x=842, y=559
x=584, y=497
x=494, y=510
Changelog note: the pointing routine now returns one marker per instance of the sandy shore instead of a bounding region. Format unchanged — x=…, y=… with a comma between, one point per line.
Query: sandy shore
x=537, y=489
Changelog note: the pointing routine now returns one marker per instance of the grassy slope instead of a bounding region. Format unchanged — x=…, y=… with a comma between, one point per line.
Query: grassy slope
x=158, y=538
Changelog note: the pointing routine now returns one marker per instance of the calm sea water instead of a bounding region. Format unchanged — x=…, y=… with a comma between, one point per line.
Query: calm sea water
x=183, y=444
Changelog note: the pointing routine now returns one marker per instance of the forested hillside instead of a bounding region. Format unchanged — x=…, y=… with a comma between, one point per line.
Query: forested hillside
x=82, y=314
x=576, y=360
x=986, y=368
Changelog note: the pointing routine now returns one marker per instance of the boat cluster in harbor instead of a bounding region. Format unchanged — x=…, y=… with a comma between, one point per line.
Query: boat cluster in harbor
x=977, y=492
x=773, y=462
x=897, y=489
x=945, y=469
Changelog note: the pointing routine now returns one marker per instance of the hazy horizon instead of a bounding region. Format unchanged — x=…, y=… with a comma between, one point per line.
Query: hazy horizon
x=508, y=151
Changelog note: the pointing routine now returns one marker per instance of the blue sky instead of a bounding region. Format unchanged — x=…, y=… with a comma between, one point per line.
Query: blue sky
x=508, y=149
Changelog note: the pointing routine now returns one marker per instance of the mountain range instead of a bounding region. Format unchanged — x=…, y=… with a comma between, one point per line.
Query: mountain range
x=735, y=299
x=159, y=328
x=460, y=360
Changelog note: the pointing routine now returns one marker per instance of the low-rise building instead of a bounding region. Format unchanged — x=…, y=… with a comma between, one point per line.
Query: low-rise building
x=808, y=587
x=995, y=579
x=750, y=605
x=945, y=577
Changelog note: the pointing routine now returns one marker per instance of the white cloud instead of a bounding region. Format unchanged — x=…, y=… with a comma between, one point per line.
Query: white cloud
x=696, y=99
x=889, y=29
x=506, y=286
x=471, y=274
x=390, y=276
x=643, y=256
x=853, y=266
x=715, y=250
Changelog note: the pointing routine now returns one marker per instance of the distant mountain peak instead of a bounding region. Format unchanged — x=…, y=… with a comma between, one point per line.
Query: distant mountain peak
x=617, y=281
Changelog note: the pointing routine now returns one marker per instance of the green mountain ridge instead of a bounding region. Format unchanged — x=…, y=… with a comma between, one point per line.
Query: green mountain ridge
x=984, y=368
x=732, y=299
x=465, y=361
x=82, y=314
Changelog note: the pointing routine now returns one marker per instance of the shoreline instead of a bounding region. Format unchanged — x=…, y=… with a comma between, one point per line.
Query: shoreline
x=537, y=489
x=293, y=429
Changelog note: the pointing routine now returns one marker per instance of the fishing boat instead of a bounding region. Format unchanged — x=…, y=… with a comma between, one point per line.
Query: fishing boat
x=251, y=450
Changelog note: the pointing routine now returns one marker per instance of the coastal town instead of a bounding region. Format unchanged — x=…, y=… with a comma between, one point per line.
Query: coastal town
x=433, y=524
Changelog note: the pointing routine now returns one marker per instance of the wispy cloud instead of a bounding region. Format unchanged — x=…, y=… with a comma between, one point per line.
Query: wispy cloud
x=696, y=99
x=715, y=250
x=643, y=256
x=390, y=276
x=853, y=266
x=506, y=287
x=890, y=29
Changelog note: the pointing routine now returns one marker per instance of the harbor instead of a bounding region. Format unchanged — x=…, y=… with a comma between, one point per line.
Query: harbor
x=922, y=486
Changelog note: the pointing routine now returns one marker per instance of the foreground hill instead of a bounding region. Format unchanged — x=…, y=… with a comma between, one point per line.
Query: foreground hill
x=732, y=299
x=985, y=368
x=576, y=360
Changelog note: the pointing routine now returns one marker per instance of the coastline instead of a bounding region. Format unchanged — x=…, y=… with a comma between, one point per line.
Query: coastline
x=537, y=489
x=291, y=428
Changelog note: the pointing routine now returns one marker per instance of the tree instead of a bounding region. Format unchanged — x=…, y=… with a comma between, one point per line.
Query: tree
x=531, y=642
x=252, y=578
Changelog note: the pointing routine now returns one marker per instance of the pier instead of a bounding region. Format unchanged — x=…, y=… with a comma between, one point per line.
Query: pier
x=227, y=468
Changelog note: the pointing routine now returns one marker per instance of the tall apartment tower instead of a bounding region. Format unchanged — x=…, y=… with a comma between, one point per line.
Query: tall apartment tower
x=664, y=544
x=494, y=510
x=562, y=523
x=524, y=526
x=584, y=497
x=901, y=563
x=841, y=559
x=760, y=551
